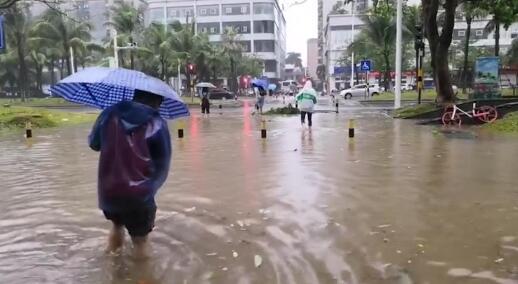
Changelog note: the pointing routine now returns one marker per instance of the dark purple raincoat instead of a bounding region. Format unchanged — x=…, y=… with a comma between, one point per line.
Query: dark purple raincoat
x=135, y=155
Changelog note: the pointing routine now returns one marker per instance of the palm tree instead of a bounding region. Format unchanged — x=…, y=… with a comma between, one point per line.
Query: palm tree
x=234, y=51
x=55, y=28
x=512, y=53
x=17, y=26
x=294, y=58
x=157, y=50
x=380, y=31
x=128, y=21
x=471, y=12
x=503, y=14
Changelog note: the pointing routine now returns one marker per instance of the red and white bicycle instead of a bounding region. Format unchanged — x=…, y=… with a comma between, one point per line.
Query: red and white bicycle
x=452, y=114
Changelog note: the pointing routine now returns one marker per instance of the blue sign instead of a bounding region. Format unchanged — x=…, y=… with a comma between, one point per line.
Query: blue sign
x=366, y=65
x=2, y=37
x=340, y=70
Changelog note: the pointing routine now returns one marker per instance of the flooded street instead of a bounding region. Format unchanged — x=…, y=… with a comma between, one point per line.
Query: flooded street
x=398, y=204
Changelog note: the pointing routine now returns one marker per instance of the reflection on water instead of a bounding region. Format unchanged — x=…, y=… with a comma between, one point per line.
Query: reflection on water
x=398, y=204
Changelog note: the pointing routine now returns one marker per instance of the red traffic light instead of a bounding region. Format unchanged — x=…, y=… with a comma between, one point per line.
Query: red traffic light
x=191, y=68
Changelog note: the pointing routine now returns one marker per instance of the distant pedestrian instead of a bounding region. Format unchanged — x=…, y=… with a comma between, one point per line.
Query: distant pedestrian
x=205, y=102
x=306, y=100
x=260, y=99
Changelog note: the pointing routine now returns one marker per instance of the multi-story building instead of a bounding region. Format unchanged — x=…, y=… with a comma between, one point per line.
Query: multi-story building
x=480, y=37
x=312, y=59
x=260, y=24
x=340, y=29
x=96, y=12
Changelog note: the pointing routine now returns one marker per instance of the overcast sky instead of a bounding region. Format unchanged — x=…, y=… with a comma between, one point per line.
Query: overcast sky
x=302, y=24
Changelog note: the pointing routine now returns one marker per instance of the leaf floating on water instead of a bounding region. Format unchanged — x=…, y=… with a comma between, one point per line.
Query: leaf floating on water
x=234, y=254
x=384, y=226
x=211, y=254
x=240, y=223
x=258, y=260
x=224, y=268
x=499, y=260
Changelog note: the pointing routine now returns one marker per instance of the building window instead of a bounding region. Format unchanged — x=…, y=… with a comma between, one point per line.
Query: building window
x=264, y=46
x=245, y=46
x=264, y=27
x=208, y=10
x=514, y=35
x=270, y=66
x=238, y=27
x=210, y=28
x=462, y=33
x=237, y=9
x=263, y=8
x=479, y=33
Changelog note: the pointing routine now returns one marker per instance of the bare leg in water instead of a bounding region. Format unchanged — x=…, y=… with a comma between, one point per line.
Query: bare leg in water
x=140, y=247
x=116, y=238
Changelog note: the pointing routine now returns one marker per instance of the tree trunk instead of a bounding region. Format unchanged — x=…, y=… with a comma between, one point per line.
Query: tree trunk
x=469, y=19
x=388, y=78
x=67, y=59
x=440, y=44
x=22, y=67
x=51, y=71
x=497, y=37
x=61, y=68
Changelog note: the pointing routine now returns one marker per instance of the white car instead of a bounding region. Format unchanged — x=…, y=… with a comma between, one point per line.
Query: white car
x=360, y=91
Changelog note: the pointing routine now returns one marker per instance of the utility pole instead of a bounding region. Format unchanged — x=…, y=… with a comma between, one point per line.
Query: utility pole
x=399, y=47
x=352, y=40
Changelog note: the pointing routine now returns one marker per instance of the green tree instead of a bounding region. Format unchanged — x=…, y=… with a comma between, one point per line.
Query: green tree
x=55, y=28
x=234, y=51
x=294, y=58
x=17, y=25
x=379, y=35
x=471, y=12
x=158, y=54
x=439, y=37
x=512, y=54
x=129, y=22
x=503, y=12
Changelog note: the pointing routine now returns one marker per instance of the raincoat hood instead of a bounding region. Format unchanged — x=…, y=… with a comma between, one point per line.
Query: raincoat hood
x=134, y=114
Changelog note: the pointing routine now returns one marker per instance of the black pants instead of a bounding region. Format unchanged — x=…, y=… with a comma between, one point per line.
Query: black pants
x=205, y=108
x=303, y=117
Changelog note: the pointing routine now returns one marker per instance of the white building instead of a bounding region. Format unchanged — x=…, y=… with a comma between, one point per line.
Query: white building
x=312, y=59
x=480, y=37
x=260, y=24
x=96, y=12
x=340, y=29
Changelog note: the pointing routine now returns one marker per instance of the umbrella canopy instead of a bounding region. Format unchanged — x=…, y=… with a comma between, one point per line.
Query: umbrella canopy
x=260, y=83
x=205, y=85
x=272, y=87
x=103, y=87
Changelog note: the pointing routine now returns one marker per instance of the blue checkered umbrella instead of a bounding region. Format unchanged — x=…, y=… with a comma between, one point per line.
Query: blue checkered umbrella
x=103, y=87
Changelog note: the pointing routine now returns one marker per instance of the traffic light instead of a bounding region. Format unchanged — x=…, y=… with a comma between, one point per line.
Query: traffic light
x=191, y=68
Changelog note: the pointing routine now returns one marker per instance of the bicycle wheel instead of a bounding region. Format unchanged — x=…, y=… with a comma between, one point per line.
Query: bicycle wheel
x=486, y=114
x=448, y=119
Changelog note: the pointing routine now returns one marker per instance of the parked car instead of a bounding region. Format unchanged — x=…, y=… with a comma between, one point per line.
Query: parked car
x=360, y=91
x=220, y=94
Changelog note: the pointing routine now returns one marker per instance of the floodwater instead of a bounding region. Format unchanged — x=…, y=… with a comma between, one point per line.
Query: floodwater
x=398, y=204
